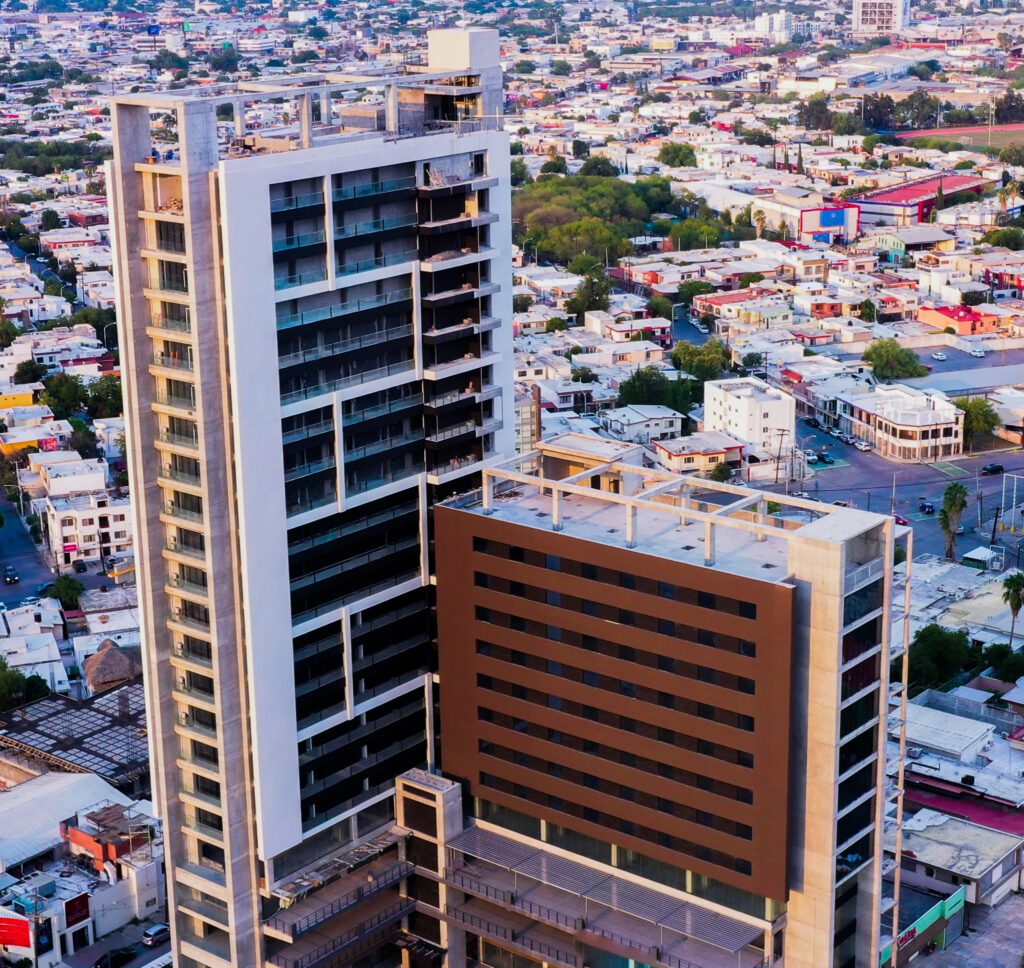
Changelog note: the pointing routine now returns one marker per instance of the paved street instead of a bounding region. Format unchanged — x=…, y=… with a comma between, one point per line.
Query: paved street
x=129, y=934
x=865, y=480
x=997, y=942
x=17, y=548
x=955, y=359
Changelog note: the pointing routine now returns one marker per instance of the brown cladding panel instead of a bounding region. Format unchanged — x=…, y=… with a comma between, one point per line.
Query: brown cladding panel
x=641, y=784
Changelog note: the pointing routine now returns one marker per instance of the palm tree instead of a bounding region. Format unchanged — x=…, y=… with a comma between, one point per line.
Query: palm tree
x=954, y=503
x=1004, y=194
x=1013, y=596
x=760, y=220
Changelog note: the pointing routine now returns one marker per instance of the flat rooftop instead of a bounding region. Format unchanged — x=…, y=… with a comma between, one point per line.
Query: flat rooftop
x=677, y=517
x=105, y=735
x=952, y=844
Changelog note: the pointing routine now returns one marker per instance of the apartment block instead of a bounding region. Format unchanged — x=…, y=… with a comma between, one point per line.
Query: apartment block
x=879, y=18
x=661, y=722
x=316, y=333
x=748, y=408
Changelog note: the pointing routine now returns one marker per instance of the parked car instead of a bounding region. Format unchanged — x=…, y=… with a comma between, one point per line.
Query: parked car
x=116, y=957
x=841, y=504
x=30, y=600
x=939, y=356
x=810, y=456
x=11, y=577
x=813, y=422
x=835, y=431
x=826, y=459
x=899, y=519
x=46, y=588
x=862, y=445
x=848, y=439
x=926, y=507
x=989, y=469
x=978, y=353
x=155, y=935
x=80, y=567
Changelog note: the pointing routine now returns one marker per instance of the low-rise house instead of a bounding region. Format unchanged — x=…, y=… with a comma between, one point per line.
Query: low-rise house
x=902, y=423
x=88, y=527
x=699, y=453
x=642, y=424
x=751, y=411
x=940, y=852
x=50, y=436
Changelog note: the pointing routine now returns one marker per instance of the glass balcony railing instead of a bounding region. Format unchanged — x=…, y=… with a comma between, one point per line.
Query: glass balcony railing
x=291, y=202
x=191, y=441
x=300, y=279
x=365, y=265
x=173, y=362
x=374, y=188
x=297, y=241
x=311, y=316
x=344, y=346
x=375, y=225
x=354, y=379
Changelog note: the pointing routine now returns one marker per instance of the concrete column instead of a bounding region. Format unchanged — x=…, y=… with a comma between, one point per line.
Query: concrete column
x=709, y=543
x=305, y=109
x=631, y=526
x=325, y=107
x=391, y=108
x=238, y=116
x=556, y=509
x=488, y=489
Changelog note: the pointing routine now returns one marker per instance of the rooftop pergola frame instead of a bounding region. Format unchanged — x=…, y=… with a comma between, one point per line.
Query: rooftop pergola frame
x=659, y=491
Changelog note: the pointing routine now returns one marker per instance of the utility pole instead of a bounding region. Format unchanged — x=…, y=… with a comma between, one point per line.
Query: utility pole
x=979, y=495
x=778, y=457
x=893, y=505
x=995, y=521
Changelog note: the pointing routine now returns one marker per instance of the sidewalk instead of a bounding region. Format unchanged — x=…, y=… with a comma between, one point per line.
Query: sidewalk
x=129, y=934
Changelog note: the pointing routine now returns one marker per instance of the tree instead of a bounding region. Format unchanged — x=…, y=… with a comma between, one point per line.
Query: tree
x=105, y=398
x=521, y=304
x=760, y=220
x=918, y=110
x=599, y=166
x=65, y=395
x=29, y=371
x=519, y=173
x=954, y=503
x=585, y=265
x=555, y=325
x=16, y=689
x=50, y=220
x=868, y=313
x=677, y=155
x=225, y=60
x=166, y=60
x=1012, y=155
x=68, y=590
x=890, y=361
x=695, y=287
x=649, y=386
x=560, y=68
x=1009, y=109
x=703, y=363
x=1009, y=238
x=8, y=333
x=525, y=67
x=980, y=418
x=814, y=114
x=591, y=293
x=660, y=307
x=1013, y=598
x=82, y=439
x=584, y=374
x=580, y=149
x=936, y=655
x=555, y=166
x=720, y=472
x=751, y=361
x=748, y=279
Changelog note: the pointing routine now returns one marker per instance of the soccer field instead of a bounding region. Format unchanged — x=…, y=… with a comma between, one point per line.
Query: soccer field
x=978, y=135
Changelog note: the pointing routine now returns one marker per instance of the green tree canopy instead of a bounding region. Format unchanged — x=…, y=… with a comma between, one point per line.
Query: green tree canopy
x=936, y=655
x=65, y=395
x=592, y=293
x=703, y=363
x=980, y=419
x=16, y=688
x=1013, y=598
x=29, y=371
x=105, y=398
x=677, y=155
x=599, y=167
x=890, y=361
x=696, y=287
x=649, y=386
x=68, y=591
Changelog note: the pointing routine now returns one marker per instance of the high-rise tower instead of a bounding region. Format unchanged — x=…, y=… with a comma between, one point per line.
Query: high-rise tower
x=313, y=320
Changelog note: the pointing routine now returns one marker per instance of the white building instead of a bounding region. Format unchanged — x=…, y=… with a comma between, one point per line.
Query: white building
x=901, y=422
x=301, y=386
x=641, y=424
x=752, y=411
x=879, y=18
x=88, y=527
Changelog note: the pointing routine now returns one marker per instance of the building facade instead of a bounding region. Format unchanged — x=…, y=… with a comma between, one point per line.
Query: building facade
x=314, y=321
x=879, y=18
x=751, y=410
x=663, y=711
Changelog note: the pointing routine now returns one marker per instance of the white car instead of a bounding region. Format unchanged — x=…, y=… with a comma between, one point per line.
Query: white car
x=978, y=354
x=811, y=455
x=939, y=356
x=862, y=445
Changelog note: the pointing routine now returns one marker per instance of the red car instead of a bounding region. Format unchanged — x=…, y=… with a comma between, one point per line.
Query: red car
x=899, y=519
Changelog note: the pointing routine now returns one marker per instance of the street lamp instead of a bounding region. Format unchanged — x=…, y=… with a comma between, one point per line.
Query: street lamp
x=106, y=345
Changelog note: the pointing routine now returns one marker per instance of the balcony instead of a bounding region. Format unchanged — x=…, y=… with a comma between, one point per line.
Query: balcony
x=518, y=934
x=208, y=871
x=361, y=924
x=371, y=189
x=184, y=654
x=343, y=346
x=386, y=444
x=360, y=483
x=312, y=467
x=334, y=534
x=354, y=379
x=464, y=429
x=381, y=409
x=178, y=513
x=349, y=564
x=451, y=184
x=363, y=230
x=175, y=583
x=381, y=262
x=184, y=404
x=312, y=316
x=168, y=473
x=467, y=363
x=307, y=430
x=302, y=241
x=189, y=551
x=193, y=725
x=300, y=279
x=857, y=575
x=312, y=504
x=354, y=596
x=170, y=361
x=338, y=896
x=464, y=220
x=171, y=324
x=189, y=622
x=468, y=290
x=188, y=441
x=294, y=203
